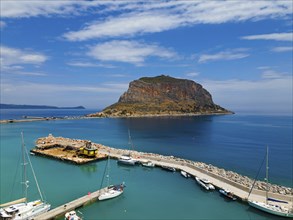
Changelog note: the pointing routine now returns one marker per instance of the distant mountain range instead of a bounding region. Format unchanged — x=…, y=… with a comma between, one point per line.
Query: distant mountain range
x=12, y=106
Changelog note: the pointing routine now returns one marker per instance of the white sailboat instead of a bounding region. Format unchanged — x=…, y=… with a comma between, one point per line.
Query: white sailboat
x=127, y=159
x=271, y=208
x=111, y=191
x=21, y=209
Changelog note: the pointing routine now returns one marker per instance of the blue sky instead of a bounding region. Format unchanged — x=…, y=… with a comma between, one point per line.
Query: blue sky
x=69, y=53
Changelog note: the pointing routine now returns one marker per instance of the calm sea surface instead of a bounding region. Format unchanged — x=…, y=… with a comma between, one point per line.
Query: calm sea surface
x=233, y=142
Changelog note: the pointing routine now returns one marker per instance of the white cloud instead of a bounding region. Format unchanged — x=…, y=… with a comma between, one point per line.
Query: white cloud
x=224, y=55
x=273, y=36
x=269, y=95
x=282, y=49
x=128, y=51
x=127, y=25
x=19, y=9
x=12, y=58
x=89, y=64
x=269, y=73
x=152, y=16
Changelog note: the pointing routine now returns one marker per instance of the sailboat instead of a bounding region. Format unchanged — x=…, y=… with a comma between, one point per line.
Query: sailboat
x=21, y=209
x=111, y=191
x=271, y=208
x=126, y=158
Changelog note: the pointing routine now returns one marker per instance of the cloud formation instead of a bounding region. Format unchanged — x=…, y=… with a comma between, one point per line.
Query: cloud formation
x=273, y=36
x=128, y=51
x=153, y=17
x=282, y=49
x=270, y=94
x=224, y=55
x=13, y=58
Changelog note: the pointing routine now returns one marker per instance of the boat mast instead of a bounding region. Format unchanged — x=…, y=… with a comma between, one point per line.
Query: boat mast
x=130, y=142
x=24, y=176
x=267, y=174
x=108, y=168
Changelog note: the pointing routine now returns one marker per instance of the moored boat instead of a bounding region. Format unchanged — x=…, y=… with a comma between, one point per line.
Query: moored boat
x=205, y=183
x=111, y=191
x=171, y=169
x=270, y=205
x=185, y=174
x=127, y=160
x=72, y=216
x=147, y=163
x=228, y=194
x=21, y=209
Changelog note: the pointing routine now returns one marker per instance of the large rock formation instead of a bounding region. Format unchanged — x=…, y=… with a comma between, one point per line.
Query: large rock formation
x=163, y=95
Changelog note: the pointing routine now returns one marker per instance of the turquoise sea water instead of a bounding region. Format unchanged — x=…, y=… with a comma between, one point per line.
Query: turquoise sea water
x=234, y=142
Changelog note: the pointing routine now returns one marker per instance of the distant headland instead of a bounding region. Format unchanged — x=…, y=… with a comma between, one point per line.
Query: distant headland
x=12, y=106
x=163, y=96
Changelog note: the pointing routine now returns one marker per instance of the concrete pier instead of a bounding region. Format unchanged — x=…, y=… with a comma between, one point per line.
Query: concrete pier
x=236, y=183
x=238, y=189
x=67, y=207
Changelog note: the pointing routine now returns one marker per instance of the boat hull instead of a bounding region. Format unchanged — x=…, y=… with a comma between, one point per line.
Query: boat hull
x=207, y=186
x=170, y=169
x=227, y=195
x=272, y=209
x=110, y=194
x=25, y=210
x=127, y=162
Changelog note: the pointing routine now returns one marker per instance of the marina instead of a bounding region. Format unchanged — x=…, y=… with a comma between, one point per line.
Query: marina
x=196, y=169
x=64, y=181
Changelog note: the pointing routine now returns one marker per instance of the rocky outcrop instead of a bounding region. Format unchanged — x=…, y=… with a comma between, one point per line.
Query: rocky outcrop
x=163, y=95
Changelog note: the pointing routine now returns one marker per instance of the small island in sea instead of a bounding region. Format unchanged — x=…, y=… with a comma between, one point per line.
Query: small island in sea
x=13, y=106
x=163, y=96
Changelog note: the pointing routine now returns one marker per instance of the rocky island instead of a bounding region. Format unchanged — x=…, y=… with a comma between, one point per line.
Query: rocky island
x=163, y=96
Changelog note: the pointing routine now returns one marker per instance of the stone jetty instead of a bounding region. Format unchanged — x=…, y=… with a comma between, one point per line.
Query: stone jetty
x=238, y=184
x=66, y=149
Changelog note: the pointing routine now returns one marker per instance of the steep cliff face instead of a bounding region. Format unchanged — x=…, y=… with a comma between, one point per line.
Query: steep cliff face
x=163, y=95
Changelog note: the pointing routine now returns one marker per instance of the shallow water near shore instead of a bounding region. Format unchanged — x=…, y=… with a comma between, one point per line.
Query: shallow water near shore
x=232, y=142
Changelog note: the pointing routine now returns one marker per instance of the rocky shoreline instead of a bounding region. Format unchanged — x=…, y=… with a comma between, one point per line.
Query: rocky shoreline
x=155, y=115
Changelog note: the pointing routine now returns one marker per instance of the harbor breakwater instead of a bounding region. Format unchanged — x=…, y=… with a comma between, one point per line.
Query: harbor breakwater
x=239, y=184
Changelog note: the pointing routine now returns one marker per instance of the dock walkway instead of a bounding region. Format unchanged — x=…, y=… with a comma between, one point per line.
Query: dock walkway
x=220, y=182
x=61, y=210
x=237, y=184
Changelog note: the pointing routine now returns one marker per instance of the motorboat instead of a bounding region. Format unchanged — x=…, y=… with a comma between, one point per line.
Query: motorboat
x=147, y=163
x=127, y=160
x=185, y=174
x=72, y=216
x=205, y=183
x=228, y=194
